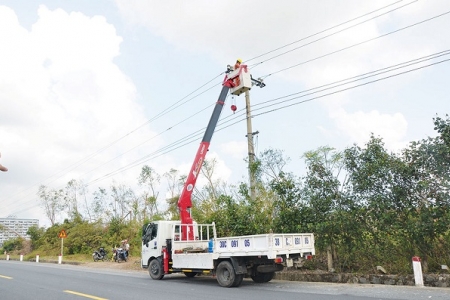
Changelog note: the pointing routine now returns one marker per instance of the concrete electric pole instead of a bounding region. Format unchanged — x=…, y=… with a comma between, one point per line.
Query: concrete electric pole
x=251, y=148
x=250, y=134
x=243, y=81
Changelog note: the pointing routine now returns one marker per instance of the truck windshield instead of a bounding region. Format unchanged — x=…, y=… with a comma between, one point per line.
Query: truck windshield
x=149, y=233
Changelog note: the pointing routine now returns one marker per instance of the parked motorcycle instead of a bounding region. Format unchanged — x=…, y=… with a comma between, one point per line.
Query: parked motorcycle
x=99, y=255
x=119, y=254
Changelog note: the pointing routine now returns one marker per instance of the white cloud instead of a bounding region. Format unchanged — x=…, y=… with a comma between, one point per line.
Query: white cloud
x=358, y=127
x=232, y=29
x=248, y=28
x=63, y=98
x=236, y=149
x=221, y=171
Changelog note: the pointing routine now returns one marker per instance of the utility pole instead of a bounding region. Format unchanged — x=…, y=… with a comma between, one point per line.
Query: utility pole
x=251, y=149
x=250, y=133
x=242, y=82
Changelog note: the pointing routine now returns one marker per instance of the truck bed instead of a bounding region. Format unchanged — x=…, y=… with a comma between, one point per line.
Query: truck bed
x=265, y=244
x=195, y=254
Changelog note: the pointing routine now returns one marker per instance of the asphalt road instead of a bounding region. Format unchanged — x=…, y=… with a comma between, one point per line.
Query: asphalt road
x=27, y=280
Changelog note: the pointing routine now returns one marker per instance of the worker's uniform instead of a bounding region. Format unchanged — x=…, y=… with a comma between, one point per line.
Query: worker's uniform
x=236, y=80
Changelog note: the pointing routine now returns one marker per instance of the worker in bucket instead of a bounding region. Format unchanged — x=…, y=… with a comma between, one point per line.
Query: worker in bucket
x=237, y=65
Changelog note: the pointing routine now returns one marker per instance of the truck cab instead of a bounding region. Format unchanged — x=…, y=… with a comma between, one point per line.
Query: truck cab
x=154, y=236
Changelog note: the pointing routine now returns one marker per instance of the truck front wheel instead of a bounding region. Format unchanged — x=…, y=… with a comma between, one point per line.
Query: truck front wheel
x=225, y=274
x=155, y=269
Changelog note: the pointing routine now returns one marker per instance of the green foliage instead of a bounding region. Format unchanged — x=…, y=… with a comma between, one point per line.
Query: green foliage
x=35, y=233
x=12, y=244
x=367, y=206
x=82, y=237
x=291, y=214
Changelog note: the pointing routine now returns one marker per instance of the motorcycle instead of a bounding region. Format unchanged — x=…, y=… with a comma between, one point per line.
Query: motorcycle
x=119, y=254
x=99, y=255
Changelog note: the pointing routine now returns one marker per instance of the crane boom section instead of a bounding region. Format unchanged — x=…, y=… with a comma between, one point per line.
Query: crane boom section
x=185, y=202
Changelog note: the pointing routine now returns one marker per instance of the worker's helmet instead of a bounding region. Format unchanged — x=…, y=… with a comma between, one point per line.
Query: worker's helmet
x=239, y=60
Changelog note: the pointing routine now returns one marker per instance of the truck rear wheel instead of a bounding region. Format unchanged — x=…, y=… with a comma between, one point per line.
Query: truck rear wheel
x=225, y=274
x=155, y=269
x=263, y=277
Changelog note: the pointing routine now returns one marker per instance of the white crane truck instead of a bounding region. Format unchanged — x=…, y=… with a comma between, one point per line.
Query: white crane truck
x=187, y=247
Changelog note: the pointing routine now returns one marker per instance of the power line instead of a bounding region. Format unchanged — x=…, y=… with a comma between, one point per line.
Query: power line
x=178, y=103
x=168, y=129
x=357, y=44
x=317, y=33
x=56, y=175
x=354, y=78
x=349, y=88
x=329, y=35
x=172, y=106
x=193, y=138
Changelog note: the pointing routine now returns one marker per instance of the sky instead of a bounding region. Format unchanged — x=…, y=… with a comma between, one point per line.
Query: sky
x=94, y=90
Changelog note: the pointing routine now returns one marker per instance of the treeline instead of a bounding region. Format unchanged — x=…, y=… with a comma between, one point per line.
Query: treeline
x=365, y=205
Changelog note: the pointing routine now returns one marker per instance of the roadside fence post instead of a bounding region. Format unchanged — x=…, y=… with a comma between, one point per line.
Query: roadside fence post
x=417, y=267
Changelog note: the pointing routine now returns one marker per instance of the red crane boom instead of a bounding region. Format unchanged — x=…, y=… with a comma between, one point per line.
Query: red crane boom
x=185, y=202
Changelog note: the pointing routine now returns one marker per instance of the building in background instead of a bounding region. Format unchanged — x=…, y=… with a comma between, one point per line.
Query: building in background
x=12, y=228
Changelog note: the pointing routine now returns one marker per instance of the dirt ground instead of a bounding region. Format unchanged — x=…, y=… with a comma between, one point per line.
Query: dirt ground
x=133, y=263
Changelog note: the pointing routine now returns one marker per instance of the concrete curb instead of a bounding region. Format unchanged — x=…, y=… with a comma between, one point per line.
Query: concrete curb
x=432, y=280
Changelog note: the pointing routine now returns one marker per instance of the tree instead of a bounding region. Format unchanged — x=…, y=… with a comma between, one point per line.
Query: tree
x=324, y=198
x=149, y=178
x=13, y=244
x=428, y=164
x=175, y=184
x=35, y=234
x=74, y=191
x=271, y=163
x=52, y=201
x=82, y=236
x=98, y=207
x=205, y=199
x=122, y=196
x=278, y=192
x=375, y=189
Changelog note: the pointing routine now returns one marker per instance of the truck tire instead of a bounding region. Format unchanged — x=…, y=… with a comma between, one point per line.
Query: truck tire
x=155, y=269
x=263, y=277
x=239, y=278
x=225, y=274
